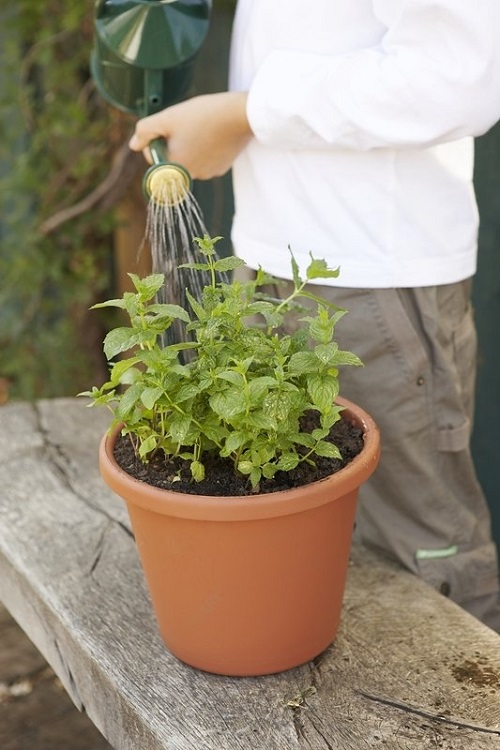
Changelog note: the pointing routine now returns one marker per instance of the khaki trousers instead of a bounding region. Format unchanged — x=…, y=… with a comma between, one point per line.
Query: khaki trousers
x=423, y=507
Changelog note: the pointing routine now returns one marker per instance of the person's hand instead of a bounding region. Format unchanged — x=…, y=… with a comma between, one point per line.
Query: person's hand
x=205, y=134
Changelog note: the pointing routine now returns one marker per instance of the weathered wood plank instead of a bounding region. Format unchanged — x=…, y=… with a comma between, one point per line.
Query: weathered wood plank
x=408, y=670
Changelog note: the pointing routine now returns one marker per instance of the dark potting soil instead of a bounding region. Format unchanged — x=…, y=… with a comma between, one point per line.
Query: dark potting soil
x=220, y=477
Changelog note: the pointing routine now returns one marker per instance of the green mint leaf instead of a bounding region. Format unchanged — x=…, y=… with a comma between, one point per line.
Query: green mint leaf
x=206, y=244
x=228, y=403
x=323, y=391
x=129, y=400
x=150, y=396
x=328, y=450
x=110, y=303
x=261, y=419
x=197, y=471
x=245, y=467
x=197, y=308
x=347, y=358
x=295, y=271
x=178, y=427
x=228, y=264
x=326, y=352
x=319, y=434
x=321, y=328
x=124, y=371
x=302, y=363
x=170, y=311
x=255, y=476
x=331, y=417
x=277, y=406
x=232, y=377
x=305, y=439
x=122, y=339
x=149, y=286
x=269, y=470
x=259, y=387
x=288, y=461
x=186, y=392
x=318, y=269
x=148, y=446
x=234, y=442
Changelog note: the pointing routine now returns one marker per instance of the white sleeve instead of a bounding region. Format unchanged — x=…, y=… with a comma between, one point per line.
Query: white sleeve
x=434, y=77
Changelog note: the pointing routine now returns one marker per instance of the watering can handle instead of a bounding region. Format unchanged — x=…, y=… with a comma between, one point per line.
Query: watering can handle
x=158, y=151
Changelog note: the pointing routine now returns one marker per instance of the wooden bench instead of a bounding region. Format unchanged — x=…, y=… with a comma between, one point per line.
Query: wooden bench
x=409, y=669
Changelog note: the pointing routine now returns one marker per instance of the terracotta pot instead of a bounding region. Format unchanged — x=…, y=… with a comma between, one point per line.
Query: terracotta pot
x=247, y=585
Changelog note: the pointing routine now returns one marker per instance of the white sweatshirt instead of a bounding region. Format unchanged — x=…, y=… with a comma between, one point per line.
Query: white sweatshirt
x=363, y=112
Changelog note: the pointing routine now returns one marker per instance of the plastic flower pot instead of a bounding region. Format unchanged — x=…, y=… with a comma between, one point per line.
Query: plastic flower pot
x=247, y=585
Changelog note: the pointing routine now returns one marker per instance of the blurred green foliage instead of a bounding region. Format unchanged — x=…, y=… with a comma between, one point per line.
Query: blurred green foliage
x=57, y=142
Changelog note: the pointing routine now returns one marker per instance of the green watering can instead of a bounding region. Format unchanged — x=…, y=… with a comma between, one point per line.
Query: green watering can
x=142, y=61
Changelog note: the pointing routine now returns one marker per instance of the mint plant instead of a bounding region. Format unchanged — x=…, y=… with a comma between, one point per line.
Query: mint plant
x=241, y=389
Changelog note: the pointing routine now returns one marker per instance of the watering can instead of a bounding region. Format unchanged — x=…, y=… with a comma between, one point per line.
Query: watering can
x=142, y=61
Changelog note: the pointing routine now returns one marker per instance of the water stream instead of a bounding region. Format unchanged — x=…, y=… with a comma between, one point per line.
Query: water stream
x=170, y=231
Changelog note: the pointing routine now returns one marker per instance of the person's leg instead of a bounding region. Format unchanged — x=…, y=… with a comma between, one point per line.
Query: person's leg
x=423, y=506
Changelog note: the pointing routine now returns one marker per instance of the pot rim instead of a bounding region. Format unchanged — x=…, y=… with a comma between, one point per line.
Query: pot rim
x=240, y=508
